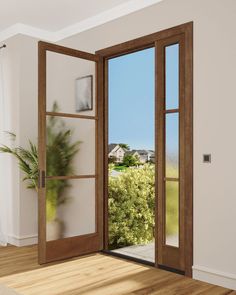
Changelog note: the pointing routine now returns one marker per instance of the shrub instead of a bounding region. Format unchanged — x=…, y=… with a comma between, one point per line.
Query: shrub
x=131, y=207
x=130, y=160
x=112, y=159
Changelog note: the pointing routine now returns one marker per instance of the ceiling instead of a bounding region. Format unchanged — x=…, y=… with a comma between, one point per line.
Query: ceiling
x=57, y=19
x=51, y=15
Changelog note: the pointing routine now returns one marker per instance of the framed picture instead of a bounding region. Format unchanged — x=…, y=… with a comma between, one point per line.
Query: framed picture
x=84, y=93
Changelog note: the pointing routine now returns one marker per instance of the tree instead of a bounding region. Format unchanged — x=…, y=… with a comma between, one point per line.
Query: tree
x=124, y=146
x=130, y=160
x=112, y=159
x=131, y=203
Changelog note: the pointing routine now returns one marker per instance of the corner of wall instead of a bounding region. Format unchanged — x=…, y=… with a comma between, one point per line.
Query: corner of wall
x=22, y=240
x=215, y=277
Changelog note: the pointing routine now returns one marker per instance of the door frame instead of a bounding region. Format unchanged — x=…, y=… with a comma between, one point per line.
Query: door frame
x=78, y=245
x=152, y=40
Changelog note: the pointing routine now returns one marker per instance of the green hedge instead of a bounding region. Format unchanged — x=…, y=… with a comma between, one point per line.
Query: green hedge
x=131, y=207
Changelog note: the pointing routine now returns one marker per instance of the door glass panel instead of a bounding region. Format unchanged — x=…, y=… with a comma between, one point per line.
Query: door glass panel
x=172, y=213
x=172, y=76
x=131, y=185
x=70, y=208
x=172, y=145
x=70, y=146
x=70, y=84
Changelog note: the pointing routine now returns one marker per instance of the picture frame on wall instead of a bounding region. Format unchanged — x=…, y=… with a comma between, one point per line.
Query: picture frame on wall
x=84, y=93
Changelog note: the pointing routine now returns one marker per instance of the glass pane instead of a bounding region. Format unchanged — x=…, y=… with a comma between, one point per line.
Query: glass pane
x=172, y=76
x=172, y=213
x=70, y=208
x=70, y=146
x=131, y=154
x=70, y=88
x=172, y=145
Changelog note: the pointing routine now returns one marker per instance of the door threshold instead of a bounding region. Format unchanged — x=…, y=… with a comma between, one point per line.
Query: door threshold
x=134, y=259
x=145, y=262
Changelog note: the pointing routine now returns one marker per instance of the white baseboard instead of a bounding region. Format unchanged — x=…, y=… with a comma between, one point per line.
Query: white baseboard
x=215, y=277
x=23, y=240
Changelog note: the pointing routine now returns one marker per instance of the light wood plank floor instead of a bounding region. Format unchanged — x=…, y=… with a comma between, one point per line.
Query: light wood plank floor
x=92, y=274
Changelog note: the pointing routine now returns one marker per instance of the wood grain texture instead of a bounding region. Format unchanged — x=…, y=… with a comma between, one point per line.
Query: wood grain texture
x=74, y=246
x=142, y=42
x=168, y=255
x=71, y=177
x=68, y=51
x=100, y=151
x=171, y=111
x=105, y=161
x=41, y=150
x=67, y=115
x=159, y=146
x=92, y=274
x=181, y=257
x=189, y=149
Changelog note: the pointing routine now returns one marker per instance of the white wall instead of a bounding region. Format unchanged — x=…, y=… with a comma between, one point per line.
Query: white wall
x=21, y=77
x=214, y=118
x=28, y=126
x=8, y=174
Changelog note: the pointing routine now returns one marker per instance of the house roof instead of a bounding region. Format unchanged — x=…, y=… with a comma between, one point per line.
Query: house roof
x=145, y=152
x=130, y=152
x=111, y=146
x=142, y=152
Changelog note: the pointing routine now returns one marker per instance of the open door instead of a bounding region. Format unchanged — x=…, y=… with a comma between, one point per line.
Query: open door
x=70, y=173
x=171, y=133
x=172, y=198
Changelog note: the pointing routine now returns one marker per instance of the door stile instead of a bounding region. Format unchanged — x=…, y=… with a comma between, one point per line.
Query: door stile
x=168, y=255
x=159, y=147
x=41, y=151
x=86, y=243
x=100, y=151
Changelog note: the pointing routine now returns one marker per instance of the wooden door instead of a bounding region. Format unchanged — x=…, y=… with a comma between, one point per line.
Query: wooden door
x=174, y=157
x=70, y=173
x=174, y=179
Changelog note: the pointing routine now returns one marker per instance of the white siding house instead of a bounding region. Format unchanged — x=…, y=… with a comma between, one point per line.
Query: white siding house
x=116, y=152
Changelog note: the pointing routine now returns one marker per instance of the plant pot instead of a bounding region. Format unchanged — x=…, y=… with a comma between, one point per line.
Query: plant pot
x=53, y=230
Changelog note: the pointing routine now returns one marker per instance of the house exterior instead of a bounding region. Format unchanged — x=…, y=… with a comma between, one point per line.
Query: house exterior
x=133, y=153
x=116, y=152
x=146, y=156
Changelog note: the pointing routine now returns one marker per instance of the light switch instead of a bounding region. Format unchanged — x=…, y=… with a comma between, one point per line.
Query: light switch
x=207, y=158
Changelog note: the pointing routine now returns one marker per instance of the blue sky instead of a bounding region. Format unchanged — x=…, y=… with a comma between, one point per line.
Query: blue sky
x=131, y=98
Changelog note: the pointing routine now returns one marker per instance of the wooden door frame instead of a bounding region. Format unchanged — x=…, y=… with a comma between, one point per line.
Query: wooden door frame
x=86, y=243
x=186, y=31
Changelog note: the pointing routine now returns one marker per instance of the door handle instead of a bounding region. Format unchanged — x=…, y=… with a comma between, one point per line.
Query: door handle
x=39, y=183
x=43, y=178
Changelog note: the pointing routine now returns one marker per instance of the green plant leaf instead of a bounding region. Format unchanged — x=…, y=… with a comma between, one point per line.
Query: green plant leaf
x=60, y=152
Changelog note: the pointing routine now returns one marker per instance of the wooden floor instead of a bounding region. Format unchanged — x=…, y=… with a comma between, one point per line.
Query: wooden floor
x=93, y=274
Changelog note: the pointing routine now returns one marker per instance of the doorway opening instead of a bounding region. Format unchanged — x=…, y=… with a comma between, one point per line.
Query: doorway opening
x=140, y=114
x=160, y=109
x=131, y=155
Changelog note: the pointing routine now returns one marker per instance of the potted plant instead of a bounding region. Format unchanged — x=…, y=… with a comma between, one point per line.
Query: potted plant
x=60, y=152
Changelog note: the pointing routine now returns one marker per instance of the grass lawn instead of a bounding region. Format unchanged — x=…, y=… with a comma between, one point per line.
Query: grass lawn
x=120, y=168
